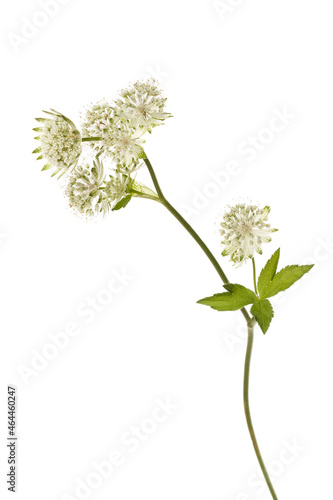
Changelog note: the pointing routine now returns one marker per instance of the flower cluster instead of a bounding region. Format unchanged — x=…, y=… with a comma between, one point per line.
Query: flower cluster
x=91, y=194
x=244, y=229
x=114, y=132
x=60, y=143
x=120, y=127
x=142, y=106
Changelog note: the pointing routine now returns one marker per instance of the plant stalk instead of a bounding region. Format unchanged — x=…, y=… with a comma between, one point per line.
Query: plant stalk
x=250, y=329
x=254, y=276
x=190, y=230
x=250, y=321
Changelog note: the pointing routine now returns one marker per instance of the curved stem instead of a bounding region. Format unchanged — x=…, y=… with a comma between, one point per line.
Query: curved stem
x=250, y=321
x=247, y=409
x=254, y=276
x=190, y=230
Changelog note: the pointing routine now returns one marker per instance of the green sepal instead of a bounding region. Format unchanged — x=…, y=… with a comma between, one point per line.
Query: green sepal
x=53, y=112
x=56, y=172
x=40, y=157
x=62, y=171
x=235, y=298
x=37, y=129
x=46, y=167
x=37, y=150
x=263, y=312
x=122, y=203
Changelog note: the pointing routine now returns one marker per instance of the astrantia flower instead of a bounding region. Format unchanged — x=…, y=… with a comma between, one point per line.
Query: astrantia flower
x=86, y=192
x=116, y=139
x=124, y=146
x=60, y=143
x=244, y=228
x=98, y=120
x=142, y=106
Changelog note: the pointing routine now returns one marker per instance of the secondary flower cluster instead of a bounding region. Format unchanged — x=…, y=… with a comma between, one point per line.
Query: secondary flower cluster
x=243, y=229
x=114, y=131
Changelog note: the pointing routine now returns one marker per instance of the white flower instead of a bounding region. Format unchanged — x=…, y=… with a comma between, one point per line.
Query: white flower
x=124, y=146
x=98, y=120
x=60, y=143
x=85, y=190
x=142, y=106
x=244, y=228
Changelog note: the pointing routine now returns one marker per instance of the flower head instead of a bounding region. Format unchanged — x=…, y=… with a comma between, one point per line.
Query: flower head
x=90, y=193
x=85, y=190
x=98, y=121
x=142, y=106
x=244, y=228
x=124, y=146
x=117, y=140
x=60, y=143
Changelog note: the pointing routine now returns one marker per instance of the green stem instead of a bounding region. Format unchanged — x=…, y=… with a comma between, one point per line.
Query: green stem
x=91, y=139
x=254, y=276
x=250, y=321
x=190, y=230
x=250, y=328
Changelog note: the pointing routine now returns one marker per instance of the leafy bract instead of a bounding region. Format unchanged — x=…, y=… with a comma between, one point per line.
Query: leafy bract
x=123, y=202
x=284, y=279
x=262, y=310
x=268, y=272
x=235, y=298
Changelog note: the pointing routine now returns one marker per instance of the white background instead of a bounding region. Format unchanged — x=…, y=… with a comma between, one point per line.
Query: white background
x=225, y=75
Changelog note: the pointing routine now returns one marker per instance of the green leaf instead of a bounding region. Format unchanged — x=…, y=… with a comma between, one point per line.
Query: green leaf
x=268, y=272
x=237, y=297
x=262, y=310
x=122, y=203
x=46, y=167
x=37, y=150
x=284, y=279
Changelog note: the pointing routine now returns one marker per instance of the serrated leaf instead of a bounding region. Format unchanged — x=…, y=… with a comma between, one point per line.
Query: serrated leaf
x=285, y=278
x=122, y=203
x=237, y=297
x=268, y=272
x=262, y=310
